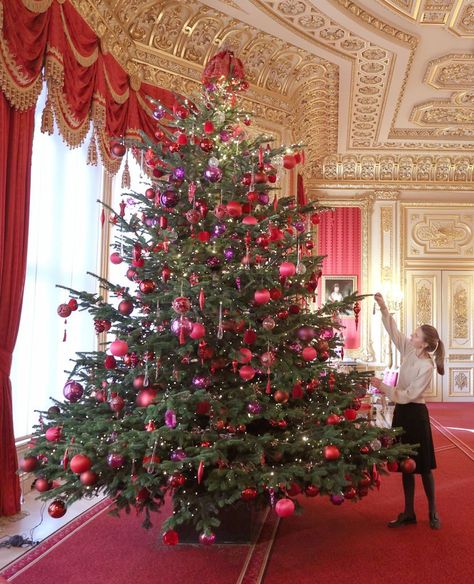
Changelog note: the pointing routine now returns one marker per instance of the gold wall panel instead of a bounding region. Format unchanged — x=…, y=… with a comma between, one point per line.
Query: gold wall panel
x=461, y=382
x=460, y=302
x=444, y=234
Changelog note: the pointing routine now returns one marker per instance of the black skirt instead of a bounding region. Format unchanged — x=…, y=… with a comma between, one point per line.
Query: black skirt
x=415, y=421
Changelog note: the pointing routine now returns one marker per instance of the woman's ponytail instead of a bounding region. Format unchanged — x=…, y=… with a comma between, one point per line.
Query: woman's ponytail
x=435, y=346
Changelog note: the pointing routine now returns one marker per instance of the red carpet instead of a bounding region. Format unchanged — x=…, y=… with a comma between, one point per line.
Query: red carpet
x=351, y=544
x=100, y=549
x=344, y=545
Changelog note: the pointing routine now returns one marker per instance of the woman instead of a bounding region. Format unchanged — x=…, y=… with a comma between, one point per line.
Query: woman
x=416, y=371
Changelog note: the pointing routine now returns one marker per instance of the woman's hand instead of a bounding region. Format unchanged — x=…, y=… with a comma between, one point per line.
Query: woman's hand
x=376, y=382
x=380, y=301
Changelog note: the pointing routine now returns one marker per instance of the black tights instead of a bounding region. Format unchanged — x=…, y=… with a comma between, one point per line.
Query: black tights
x=409, y=491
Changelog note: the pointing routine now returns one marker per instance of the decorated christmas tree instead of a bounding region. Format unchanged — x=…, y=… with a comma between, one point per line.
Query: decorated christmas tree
x=218, y=380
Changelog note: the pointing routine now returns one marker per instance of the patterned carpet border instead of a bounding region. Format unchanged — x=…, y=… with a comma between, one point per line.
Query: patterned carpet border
x=468, y=451
x=36, y=553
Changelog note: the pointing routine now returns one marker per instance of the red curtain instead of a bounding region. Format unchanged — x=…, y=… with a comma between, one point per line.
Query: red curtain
x=16, y=140
x=47, y=40
x=339, y=238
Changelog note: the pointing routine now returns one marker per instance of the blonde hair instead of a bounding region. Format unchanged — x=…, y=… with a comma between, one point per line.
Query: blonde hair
x=435, y=346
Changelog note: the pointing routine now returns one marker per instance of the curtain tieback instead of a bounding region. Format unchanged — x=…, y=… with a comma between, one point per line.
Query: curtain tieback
x=5, y=361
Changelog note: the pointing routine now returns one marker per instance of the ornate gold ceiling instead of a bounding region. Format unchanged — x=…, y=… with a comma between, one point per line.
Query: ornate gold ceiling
x=357, y=81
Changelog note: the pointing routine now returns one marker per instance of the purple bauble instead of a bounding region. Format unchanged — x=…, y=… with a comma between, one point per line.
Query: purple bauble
x=183, y=323
x=224, y=136
x=207, y=538
x=219, y=229
x=213, y=262
x=306, y=333
x=179, y=173
x=263, y=198
x=296, y=347
x=327, y=334
x=158, y=113
x=337, y=499
x=254, y=408
x=115, y=460
x=178, y=455
x=168, y=199
x=201, y=381
x=213, y=174
x=112, y=437
x=73, y=391
x=229, y=254
x=299, y=226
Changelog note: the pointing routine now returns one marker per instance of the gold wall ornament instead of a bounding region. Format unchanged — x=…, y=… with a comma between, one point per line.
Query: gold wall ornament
x=397, y=168
x=462, y=21
x=424, y=302
x=386, y=216
x=460, y=319
x=461, y=382
x=452, y=71
x=442, y=233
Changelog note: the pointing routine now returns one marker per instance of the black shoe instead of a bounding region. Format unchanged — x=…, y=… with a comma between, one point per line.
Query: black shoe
x=435, y=522
x=402, y=519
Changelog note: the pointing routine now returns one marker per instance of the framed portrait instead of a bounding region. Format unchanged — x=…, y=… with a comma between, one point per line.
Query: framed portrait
x=335, y=288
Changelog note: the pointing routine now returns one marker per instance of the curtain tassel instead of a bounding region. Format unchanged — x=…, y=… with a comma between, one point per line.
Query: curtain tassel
x=126, y=176
x=92, y=152
x=47, y=119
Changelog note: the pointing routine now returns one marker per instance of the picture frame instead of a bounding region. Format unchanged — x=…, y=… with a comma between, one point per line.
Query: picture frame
x=335, y=288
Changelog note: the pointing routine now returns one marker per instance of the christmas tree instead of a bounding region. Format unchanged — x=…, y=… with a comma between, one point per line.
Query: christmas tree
x=219, y=378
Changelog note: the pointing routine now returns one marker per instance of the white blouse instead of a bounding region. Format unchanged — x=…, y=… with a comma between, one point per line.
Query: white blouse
x=415, y=373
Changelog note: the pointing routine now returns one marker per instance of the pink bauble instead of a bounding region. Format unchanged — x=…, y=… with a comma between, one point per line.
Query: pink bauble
x=119, y=348
x=117, y=403
x=183, y=324
x=29, y=463
x=268, y=358
x=198, y=331
x=247, y=372
x=262, y=296
x=53, y=434
x=145, y=397
x=42, y=485
x=250, y=220
x=207, y=538
x=116, y=258
x=284, y=507
x=309, y=353
x=88, y=478
x=287, y=269
x=234, y=209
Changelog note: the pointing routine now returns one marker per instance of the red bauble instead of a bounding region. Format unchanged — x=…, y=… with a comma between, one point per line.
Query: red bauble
x=145, y=397
x=73, y=305
x=57, y=509
x=182, y=139
x=260, y=178
x=234, y=208
x=110, y=362
x=204, y=236
x=247, y=372
x=276, y=294
x=262, y=296
x=117, y=149
x=53, y=434
x=29, y=463
x=294, y=490
x=408, y=465
x=287, y=269
x=349, y=493
x=268, y=358
x=88, y=478
x=309, y=353
x=181, y=304
x=170, y=537
x=116, y=258
x=80, y=463
x=42, y=485
x=198, y=331
x=314, y=218
x=333, y=419
x=248, y=494
x=118, y=348
x=284, y=507
x=64, y=310
x=150, y=194
x=147, y=286
x=311, y=491
x=350, y=414
x=117, y=403
x=281, y=396
x=331, y=452
x=250, y=336
x=125, y=307
x=289, y=161
x=244, y=356
x=392, y=465
x=208, y=127
x=206, y=144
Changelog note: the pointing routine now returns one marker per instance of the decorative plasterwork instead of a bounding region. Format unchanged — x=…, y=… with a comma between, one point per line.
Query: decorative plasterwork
x=445, y=113
x=453, y=71
x=170, y=41
x=405, y=169
x=372, y=63
x=462, y=22
x=459, y=13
